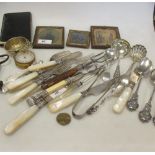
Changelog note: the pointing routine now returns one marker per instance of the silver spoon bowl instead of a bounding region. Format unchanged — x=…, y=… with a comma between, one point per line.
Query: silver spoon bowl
x=121, y=46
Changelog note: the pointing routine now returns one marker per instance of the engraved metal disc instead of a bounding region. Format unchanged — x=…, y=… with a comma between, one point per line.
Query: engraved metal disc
x=63, y=118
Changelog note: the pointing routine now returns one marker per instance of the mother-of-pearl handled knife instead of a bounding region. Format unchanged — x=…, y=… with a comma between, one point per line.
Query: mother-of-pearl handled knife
x=20, y=81
x=31, y=68
x=21, y=119
x=65, y=102
x=124, y=97
x=22, y=93
x=61, y=104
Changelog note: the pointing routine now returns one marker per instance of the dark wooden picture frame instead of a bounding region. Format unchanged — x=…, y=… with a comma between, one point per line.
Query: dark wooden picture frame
x=77, y=38
x=102, y=36
x=49, y=37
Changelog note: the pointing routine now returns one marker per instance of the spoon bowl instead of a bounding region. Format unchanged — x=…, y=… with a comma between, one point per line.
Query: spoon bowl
x=145, y=66
x=138, y=52
x=110, y=53
x=121, y=46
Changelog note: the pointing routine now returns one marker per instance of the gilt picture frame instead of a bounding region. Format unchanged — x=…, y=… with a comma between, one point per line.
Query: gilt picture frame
x=49, y=37
x=102, y=36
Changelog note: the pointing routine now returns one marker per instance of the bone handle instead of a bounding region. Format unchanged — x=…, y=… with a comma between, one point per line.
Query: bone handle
x=17, y=75
x=122, y=100
x=61, y=104
x=41, y=66
x=21, y=94
x=21, y=81
x=56, y=86
x=21, y=119
x=31, y=68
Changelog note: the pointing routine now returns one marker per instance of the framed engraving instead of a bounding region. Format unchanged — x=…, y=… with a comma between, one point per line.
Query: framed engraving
x=49, y=37
x=78, y=39
x=102, y=36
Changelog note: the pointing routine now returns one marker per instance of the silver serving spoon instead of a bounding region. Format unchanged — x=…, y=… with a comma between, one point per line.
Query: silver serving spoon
x=145, y=114
x=143, y=67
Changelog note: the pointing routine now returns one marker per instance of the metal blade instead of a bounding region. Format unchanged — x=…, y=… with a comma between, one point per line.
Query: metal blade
x=71, y=56
x=60, y=55
x=49, y=74
x=96, y=90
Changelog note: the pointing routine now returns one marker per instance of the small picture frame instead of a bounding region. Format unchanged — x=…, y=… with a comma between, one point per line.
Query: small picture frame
x=103, y=36
x=78, y=38
x=49, y=37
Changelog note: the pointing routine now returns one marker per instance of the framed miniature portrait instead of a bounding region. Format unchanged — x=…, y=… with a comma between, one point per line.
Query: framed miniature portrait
x=78, y=39
x=103, y=36
x=49, y=37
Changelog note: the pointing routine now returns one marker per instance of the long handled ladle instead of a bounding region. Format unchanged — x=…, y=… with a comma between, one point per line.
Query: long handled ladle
x=122, y=48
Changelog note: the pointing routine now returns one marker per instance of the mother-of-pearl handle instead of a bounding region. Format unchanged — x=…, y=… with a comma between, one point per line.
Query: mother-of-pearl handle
x=61, y=104
x=118, y=90
x=21, y=94
x=21, y=81
x=122, y=100
x=31, y=69
x=21, y=119
x=41, y=66
x=17, y=75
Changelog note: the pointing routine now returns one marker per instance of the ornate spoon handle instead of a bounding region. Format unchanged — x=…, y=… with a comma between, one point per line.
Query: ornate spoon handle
x=117, y=72
x=132, y=103
x=145, y=114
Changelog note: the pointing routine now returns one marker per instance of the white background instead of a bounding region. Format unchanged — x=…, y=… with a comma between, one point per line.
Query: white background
x=104, y=131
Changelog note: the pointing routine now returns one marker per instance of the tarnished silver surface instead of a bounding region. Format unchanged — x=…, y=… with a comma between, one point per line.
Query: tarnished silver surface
x=40, y=99
x=132, y=103
x=122, y=48
x=138, y=52
x=145, y=114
